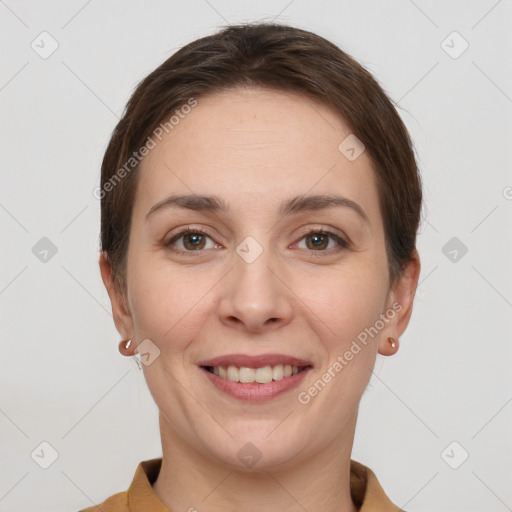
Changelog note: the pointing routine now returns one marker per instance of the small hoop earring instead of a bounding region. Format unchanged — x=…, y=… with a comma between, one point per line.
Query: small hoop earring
x=124, y=347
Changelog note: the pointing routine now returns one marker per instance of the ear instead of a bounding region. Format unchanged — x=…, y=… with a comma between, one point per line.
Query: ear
x=400, y=302
x=122, y=317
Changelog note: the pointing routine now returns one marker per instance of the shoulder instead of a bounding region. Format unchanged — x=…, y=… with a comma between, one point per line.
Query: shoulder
x=116, y=503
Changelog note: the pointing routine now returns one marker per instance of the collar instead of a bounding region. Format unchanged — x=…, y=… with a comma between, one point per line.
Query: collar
x=365, y=489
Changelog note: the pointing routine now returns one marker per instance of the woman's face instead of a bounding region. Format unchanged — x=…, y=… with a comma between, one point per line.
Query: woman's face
x=255, y=283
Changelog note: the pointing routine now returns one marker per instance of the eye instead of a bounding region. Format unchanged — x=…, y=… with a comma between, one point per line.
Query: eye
x=319, y=240
x=193, y=240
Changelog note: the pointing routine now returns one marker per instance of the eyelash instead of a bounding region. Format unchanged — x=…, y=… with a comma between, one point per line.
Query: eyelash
x=342, y=244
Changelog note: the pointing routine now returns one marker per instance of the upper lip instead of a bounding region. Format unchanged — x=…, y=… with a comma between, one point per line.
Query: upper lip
x=254, y=361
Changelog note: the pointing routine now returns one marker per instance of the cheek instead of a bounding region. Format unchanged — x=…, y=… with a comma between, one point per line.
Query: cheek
x=344, y=301
x=344, y=307
x=166, y=302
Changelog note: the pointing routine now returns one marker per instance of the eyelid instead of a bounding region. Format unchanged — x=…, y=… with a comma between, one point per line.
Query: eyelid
x=185, y=231
x=342, y=240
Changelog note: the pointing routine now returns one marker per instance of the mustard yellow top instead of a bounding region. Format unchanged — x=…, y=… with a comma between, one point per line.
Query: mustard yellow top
x=366, y=492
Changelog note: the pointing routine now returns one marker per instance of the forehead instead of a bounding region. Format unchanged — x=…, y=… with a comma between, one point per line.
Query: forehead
x=256, y=146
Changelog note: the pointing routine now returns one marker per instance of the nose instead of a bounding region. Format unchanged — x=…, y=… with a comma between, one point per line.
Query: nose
x=255, y=296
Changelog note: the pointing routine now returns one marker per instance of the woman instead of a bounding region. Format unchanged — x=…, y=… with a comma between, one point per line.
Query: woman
x=260, y=201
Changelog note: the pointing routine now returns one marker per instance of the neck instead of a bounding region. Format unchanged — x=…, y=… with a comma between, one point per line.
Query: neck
x=189, y=481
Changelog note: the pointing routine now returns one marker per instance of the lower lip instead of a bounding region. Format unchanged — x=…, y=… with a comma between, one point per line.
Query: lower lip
x=256, y=392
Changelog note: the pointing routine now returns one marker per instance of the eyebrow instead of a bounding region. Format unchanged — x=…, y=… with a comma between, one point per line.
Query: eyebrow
x=297, y=204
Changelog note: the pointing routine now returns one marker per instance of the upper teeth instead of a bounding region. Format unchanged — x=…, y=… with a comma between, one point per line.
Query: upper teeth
x=260, y=375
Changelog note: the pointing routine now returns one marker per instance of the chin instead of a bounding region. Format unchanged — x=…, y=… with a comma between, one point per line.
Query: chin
x=255, y=454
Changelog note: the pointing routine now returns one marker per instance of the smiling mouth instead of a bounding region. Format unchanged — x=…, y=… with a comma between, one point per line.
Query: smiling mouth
x=262, y=375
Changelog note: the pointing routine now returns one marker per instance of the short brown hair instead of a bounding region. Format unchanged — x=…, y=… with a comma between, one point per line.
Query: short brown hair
x=279, y=57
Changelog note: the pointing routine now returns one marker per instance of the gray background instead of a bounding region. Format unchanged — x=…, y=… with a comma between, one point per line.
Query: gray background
x=62, y=379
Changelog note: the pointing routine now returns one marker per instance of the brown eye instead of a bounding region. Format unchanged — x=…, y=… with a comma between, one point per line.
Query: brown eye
x=192, y=240
x=317, y=241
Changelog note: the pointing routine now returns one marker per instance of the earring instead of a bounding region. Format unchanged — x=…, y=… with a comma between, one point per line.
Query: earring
x=124, y=347
x=392, y=342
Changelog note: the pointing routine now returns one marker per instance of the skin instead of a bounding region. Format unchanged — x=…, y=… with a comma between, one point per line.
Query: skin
x=255, y=148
